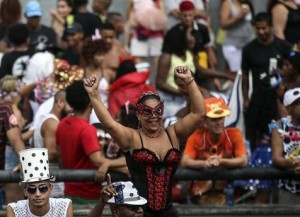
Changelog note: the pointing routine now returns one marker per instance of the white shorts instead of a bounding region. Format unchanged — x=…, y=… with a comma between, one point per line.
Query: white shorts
x=150, y=47
x=233, y=56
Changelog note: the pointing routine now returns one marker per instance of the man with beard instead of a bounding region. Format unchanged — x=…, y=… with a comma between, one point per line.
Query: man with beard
x=262, y=106
x=45, y=134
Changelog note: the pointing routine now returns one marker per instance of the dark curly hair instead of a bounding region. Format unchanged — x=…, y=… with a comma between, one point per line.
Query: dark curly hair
x=91, y=47
x=14, y=34
x=77, y=97
x=294, y=58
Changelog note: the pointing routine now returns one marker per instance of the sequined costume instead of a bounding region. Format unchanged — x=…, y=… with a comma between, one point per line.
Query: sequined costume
x=153, y=178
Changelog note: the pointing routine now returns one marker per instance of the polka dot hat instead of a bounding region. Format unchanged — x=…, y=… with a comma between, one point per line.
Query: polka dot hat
x=35, y=165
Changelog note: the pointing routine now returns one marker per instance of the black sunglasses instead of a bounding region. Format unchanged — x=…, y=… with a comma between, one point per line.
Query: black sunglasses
x=31, y=189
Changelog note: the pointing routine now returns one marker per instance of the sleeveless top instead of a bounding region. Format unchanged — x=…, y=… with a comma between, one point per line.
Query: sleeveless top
x=177, y=61
x=292, y=28
x=58, y=208
x=290, y=135
x=103, y=90
x=241, y=33
x=153, y=178
x=38, y=139
x=58, y=187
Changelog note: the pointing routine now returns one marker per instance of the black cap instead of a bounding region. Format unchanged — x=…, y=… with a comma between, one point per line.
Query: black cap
x=74, y=28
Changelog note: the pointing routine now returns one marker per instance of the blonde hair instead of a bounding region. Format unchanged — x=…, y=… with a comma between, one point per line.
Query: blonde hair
x=9, y=83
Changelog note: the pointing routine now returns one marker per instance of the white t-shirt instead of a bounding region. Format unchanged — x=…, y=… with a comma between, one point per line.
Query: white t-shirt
x=43, y=110
x=58, y=208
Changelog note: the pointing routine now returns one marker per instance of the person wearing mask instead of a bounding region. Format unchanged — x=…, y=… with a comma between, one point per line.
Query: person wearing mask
x=152, y=167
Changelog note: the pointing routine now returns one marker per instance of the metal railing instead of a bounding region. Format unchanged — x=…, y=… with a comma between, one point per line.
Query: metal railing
x=181, y=174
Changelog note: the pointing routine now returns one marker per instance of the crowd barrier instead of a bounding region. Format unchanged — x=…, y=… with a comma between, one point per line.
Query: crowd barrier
x=181, y=174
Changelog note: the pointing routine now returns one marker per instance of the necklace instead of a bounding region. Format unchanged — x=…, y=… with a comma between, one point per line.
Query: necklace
x=152, y=136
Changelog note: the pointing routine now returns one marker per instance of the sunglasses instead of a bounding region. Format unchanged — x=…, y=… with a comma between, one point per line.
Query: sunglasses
x=31, y=189
x=148, y=111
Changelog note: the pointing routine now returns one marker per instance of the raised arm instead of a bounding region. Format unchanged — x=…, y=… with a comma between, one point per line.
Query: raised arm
x=107, y=192
x=122, y=135
x=191, y=122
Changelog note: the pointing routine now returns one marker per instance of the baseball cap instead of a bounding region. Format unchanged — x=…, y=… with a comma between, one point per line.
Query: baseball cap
x=74, y=28
x=130, y=195
x=291, y=96
x=33, y=8
x=186, y=6
x=216, y=108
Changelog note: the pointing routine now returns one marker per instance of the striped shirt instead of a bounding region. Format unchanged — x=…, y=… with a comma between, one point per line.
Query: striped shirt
x=7, y=121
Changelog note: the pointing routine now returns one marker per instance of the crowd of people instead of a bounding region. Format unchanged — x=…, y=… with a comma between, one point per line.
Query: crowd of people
x=143, y=94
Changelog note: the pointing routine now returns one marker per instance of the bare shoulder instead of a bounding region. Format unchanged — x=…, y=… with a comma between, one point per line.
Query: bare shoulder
x=279, y=8
x=10, y=212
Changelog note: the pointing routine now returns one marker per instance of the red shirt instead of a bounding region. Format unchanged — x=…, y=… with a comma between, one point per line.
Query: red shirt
x=77, y=139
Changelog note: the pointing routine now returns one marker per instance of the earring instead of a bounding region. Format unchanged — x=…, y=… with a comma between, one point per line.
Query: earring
x=139, y=124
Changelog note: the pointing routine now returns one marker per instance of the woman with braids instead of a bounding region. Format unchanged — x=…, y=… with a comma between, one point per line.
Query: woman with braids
x=152, y=152
x=10, y=13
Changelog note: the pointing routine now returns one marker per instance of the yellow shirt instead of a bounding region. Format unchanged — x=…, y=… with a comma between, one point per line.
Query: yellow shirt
x=177, y=61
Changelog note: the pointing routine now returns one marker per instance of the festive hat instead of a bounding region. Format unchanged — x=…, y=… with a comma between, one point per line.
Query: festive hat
x=216, y=108
x=35, y=165
x=129, y=195
x=291, y=96
x=33, y=8
x=186, y=6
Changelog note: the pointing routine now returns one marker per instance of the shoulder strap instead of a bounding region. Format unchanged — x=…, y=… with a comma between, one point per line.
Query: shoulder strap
x=141, y=138
x=169, y=137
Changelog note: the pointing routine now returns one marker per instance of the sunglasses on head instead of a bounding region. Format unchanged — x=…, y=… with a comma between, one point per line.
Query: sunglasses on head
x=148, y=111
x=31, y=189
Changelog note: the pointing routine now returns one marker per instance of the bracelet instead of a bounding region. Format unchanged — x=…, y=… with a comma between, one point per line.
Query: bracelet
x=189, y=82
